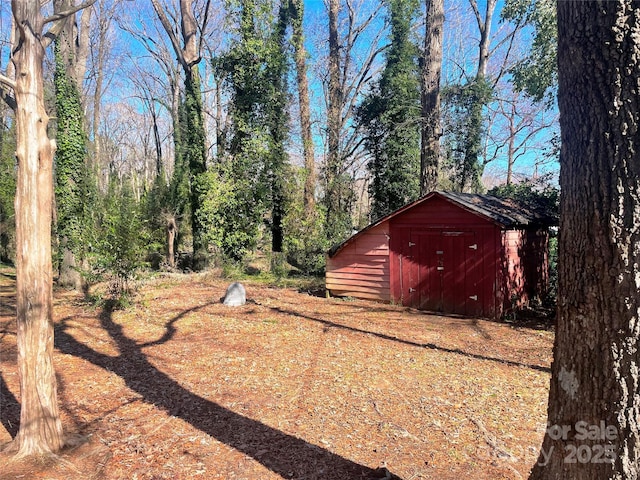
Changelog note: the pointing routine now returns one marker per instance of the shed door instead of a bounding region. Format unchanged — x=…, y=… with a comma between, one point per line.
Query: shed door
x=445, y=272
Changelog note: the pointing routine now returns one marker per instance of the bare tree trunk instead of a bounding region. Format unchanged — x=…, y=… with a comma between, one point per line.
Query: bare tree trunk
x=594, y=399
x=40, y=426
x=431, y=68
x=333, y=187
x=103, y=28
x=172, y=233
x=303, y=100
x=156, y=137
x=484, y=26
x=511, y=146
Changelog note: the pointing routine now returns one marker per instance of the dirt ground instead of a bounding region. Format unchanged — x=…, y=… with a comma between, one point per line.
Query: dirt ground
x=289, y=386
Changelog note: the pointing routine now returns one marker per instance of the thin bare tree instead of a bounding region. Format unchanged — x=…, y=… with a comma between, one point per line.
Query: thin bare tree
x=351, y=66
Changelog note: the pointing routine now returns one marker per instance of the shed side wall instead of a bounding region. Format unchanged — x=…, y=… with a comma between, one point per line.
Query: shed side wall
x=361, y=268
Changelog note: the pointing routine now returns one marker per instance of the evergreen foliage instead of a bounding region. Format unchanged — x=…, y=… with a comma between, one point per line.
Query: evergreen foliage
x=156, y=205
x=536, y=194
x=7, y=192
x=537, y=73
x=390, y=116
x=255, y=70
x=463, y=128
x=305, y=244
x=229, y=222
x=122, y=236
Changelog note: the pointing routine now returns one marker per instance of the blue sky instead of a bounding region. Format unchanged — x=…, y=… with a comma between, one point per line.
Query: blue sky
x=460, y=31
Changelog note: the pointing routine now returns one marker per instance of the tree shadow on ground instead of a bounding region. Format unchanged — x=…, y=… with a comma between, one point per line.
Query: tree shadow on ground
x=10, y=409
x=431, y=346
x=283, y=454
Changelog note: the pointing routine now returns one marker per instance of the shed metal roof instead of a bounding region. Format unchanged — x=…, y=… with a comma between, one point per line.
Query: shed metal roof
x=506, y=213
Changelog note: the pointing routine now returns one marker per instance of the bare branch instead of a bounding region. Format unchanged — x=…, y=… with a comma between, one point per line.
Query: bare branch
x=7, y=81
x=59, y=19
x=203, y=27
x=67, y=13
x=164, y=20
x=476, y=12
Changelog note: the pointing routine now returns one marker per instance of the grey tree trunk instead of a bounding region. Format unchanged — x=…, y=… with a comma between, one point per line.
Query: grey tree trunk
x=430, y=96
x=595, y=383
x=337, y=216
x=303, y=100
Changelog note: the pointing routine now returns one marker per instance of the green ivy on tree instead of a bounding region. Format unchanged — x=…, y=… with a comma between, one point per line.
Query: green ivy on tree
x=255, y=162
x=390, y=114
x=75, y=190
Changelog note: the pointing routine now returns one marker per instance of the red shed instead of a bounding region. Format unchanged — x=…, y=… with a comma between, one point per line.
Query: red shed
x=455, y=253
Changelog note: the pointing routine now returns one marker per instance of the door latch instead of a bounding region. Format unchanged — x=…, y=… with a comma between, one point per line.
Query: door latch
x=411, y=290
x=411, y=244
x=474, y=246
x=474, y=297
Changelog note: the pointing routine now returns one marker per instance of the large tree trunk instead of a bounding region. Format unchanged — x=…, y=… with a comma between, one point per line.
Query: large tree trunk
x=195, y=152
x=337, y=218
x=430, y=89
x=72, y=46
x=40, y=425
x=595, y=373
x=303, y=100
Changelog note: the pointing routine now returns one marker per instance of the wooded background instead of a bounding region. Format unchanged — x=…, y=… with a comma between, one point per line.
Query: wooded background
x=195, y=130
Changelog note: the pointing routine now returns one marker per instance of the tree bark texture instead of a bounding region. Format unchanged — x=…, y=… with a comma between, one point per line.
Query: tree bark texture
x=172, y=234
x=303, y=100
x=484, y=27
x=40, y=426
x=596, y=368
x=430, y=96
x=337, y=216
x=74, y=41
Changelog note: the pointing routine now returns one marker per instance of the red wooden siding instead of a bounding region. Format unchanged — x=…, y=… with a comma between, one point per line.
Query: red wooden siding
x=437, y=213
x=446, y=270
x=361, y=269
